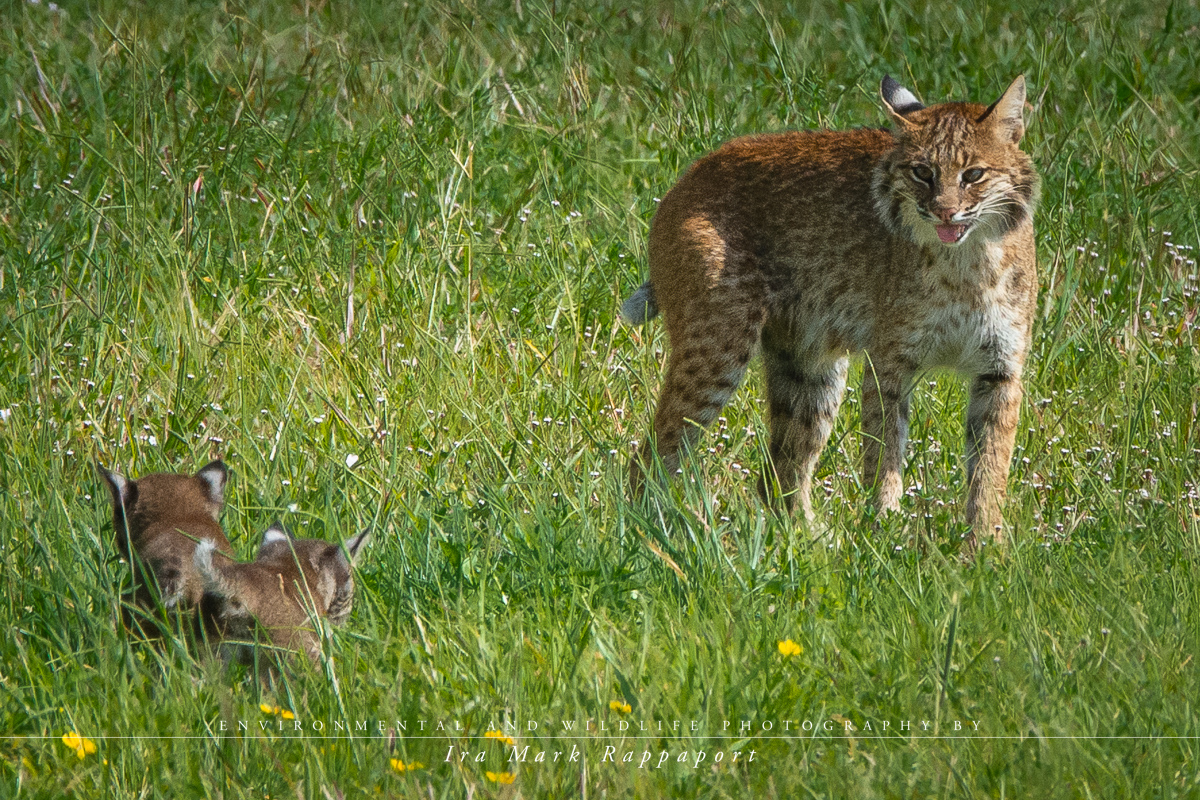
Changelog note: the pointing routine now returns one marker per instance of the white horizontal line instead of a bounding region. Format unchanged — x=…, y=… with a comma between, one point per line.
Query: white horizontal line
x=547, y=739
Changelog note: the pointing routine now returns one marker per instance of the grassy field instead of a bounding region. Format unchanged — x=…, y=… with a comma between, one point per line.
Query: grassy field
x=371, y=254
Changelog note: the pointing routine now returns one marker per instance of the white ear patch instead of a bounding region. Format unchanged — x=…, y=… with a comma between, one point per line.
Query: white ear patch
x=898, y=99
x=275, y=533
x=904, y=98
x=213, y=475
x=202, y=558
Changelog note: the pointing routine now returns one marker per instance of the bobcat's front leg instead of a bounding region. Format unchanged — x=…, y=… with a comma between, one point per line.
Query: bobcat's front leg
x=885, y=432
x=992, y=417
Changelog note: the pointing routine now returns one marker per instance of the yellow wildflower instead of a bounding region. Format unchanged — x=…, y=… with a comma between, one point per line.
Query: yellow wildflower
x=620, y=707
x=498, y=736
x=276, y=710
x=790, y=648
x=82, y=747
x=400, y=766
x=500, y=777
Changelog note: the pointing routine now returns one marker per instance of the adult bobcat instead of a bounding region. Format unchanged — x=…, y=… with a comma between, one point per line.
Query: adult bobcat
x=915, y=245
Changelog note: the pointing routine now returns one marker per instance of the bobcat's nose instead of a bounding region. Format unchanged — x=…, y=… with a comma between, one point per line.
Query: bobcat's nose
x=944, y=214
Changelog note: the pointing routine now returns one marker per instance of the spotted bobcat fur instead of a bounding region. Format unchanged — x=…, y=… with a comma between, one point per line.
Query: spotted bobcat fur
x=914, y=244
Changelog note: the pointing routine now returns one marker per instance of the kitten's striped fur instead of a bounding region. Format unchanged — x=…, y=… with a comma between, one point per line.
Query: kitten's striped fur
x=290, y=585
x=158, y=520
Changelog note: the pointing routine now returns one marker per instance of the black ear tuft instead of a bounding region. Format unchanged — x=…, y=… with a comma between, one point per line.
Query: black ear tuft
x=897, y=98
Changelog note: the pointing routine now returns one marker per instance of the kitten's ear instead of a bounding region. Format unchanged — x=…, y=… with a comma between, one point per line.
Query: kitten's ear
x=120, y=490
x=898, y=101
x=275, y=533
x=213, y=476
x=353, y=546
x=1006, y=116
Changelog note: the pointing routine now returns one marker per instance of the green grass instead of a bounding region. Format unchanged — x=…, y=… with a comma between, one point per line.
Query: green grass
x=401, y=232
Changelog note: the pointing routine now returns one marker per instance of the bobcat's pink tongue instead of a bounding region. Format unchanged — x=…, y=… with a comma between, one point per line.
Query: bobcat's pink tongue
x=949, y=234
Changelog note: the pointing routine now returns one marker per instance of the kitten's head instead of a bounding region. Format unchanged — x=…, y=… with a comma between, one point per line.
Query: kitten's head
x=327, y=567
x=956, y=173
x=164, y=498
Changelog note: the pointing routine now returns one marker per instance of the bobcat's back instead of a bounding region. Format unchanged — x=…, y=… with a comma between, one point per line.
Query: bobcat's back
x=769, y=217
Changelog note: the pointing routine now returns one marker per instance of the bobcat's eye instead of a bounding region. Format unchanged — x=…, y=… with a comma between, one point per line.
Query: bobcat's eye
x=923, y=173
x=972, y=175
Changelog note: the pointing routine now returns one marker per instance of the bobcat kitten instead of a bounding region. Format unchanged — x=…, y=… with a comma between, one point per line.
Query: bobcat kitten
x=915, y=245
x=290, y=582
x=158, y=520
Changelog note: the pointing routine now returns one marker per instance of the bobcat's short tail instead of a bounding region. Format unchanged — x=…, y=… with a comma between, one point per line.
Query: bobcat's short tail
x=641, y=306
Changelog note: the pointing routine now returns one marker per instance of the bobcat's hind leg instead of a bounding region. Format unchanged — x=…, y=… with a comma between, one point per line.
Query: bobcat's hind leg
x=886, y=388
x=803, y=401
x=708, y=360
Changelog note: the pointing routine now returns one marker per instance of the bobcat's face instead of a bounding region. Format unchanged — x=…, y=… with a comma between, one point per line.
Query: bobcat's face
x=956, y=173
x=328, y=577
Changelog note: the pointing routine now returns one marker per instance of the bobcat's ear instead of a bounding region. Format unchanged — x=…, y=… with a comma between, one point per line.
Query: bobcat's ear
x=213, y=476
x=276, y=533
x=898, y=101
x=1006, y=116
x=353, y=546
x=121, y=491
